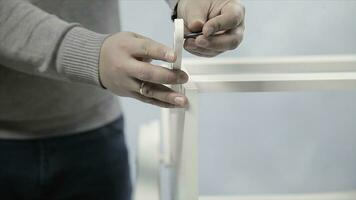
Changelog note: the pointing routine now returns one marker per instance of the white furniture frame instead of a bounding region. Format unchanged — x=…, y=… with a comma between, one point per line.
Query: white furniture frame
x=180, y=126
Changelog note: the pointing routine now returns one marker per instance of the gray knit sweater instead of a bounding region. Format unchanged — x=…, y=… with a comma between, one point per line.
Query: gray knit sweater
x=49, y=55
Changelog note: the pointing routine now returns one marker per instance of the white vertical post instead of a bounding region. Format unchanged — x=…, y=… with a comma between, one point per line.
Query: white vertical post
x=181, y=151
x=187, y=186
x=148, y=165
x=166, y=137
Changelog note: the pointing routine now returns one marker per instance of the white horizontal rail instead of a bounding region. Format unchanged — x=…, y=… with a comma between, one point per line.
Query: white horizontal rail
x=273, y=74
x=321, y=196
x=325, y=63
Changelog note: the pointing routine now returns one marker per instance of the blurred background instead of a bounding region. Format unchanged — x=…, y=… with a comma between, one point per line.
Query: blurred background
x=264, y=143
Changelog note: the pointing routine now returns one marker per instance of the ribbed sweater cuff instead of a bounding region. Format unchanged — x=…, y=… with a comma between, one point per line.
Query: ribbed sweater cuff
x=78, y=55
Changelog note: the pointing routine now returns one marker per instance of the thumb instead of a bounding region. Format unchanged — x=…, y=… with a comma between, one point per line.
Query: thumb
x=195, y=20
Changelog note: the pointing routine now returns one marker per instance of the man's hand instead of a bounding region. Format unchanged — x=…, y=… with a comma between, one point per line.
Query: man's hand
x=125, y=63
x=221, y=21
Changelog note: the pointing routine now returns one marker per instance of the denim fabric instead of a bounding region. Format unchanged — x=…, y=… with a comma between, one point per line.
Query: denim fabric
x=91, y=166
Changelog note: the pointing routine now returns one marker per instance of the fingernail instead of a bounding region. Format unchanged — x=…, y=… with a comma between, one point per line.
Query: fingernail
x=179, y=101
x=182, y=78
x=203, y=42
x=209, y=31
x=170, y=55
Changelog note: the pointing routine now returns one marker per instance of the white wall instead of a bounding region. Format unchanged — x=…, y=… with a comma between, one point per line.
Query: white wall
x=268, y=142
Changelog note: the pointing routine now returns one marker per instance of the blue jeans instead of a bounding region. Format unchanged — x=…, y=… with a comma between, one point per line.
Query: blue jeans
x=91, y=166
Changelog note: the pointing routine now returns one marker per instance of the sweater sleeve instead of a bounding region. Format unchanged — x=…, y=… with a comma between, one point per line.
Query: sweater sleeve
x=38, y=43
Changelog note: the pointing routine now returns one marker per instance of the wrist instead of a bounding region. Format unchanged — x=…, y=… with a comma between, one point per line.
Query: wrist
x=78, y=55
x=102, y=60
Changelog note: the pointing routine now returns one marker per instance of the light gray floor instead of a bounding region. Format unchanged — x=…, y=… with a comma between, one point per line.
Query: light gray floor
x=268, y=142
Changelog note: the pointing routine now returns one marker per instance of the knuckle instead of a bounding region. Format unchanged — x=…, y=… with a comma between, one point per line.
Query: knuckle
x=218, y=26
x=135, y=35
x=235, y=20
x=161, y=51
x=239, y=15
x=240, y=37
x=130, y=33
x=234, y=43
x=124, y=45
x=242, y=28
x=118, y=68
x=144, y=74
x=145, y=49
x=240, y=9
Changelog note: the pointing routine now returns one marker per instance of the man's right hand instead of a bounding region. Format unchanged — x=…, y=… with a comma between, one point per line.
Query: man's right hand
x=125, y=62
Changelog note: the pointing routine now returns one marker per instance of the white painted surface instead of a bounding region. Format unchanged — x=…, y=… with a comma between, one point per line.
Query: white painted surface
x=321, y=196
x=178, y=42
x=279, y=142
x=308, y=73
x=148, y=162
x=187, y=185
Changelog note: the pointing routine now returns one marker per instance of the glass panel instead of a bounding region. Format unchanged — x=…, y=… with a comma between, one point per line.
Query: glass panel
x=271, y=143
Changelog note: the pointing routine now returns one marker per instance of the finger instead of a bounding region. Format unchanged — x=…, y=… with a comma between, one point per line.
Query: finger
x=152, y=101
x=191, y=47
x=149, y=49
x=156, y=74
x=164, y=94
x=147, y=60
x=126, y=87
x=228, y=41
x=232, y=15
x=195, y=18
x=207, y=55
x=204, y=52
